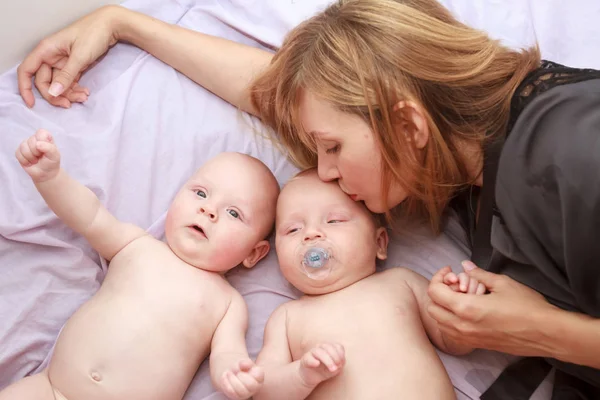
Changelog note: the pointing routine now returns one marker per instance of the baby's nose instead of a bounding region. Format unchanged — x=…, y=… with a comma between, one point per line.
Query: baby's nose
x=312, y=235
x=211, y=214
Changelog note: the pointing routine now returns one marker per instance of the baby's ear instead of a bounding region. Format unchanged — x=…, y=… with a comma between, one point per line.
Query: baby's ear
x=258, y=253
x=382, y=239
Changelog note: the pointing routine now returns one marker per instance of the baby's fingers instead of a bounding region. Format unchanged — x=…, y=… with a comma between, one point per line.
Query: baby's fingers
x=43, y=135
x=463, y=282
x=450, y=278
x=32, y=143
x=21, y=158
x=473, y=285
x=238, y=387
x=252, y=385
x=309, y=360
x=334, y=352
x=257, y=373
x=49, y=150
x=27, y=154
x=481, y=289
x=233, y=387
x=227, y=387
x=244, y=365
x=322, y=355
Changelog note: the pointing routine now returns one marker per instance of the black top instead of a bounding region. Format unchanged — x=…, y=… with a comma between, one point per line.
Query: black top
x=548, y=196
x=539, y=217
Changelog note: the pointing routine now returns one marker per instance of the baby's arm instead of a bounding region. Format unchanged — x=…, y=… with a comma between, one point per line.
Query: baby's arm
x=77, y=206
x=231, y=369
x=294, y=380
x=418, y=284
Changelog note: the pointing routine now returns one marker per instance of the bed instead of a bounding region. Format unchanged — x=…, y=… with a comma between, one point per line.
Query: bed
x=146, y=128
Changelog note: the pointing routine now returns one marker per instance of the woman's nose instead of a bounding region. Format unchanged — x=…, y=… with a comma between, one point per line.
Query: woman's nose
x=327, y=170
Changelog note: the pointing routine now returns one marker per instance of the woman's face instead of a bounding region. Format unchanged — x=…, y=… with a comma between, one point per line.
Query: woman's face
x=347, y=152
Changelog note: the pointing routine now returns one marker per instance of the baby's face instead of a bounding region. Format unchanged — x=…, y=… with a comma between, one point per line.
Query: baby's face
x=222, y=214
x=316, y=214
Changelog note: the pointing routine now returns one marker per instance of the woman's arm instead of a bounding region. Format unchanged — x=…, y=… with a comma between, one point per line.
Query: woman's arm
x=224, y=67
x=221, y=66
x=574, y=337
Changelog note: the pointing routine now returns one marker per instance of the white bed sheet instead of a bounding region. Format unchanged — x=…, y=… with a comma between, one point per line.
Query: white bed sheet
x=146, y=128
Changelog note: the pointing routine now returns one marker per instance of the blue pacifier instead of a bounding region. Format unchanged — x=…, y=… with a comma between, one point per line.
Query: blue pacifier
x=315, y=263
x=316, y=257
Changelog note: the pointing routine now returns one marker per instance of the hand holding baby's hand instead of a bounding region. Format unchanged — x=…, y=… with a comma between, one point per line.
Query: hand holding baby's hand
x=39, y=156
x=243, y=380
x=321, y=363
x=463, y=283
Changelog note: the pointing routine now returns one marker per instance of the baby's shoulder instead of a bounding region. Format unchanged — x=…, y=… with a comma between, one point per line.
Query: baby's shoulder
x=398, y=274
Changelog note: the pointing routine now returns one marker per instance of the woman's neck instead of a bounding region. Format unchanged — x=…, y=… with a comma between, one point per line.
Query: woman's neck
x=472, y=156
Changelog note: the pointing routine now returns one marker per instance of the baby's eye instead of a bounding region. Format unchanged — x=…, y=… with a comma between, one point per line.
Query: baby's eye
x=293, y=230
x=201, y=193
x=233, y=213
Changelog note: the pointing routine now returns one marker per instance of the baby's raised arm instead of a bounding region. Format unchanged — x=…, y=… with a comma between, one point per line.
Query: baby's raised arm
x=77, y=206
x=294, y=380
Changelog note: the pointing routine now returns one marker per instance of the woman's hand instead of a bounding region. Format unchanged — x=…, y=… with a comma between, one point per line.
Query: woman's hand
x=508, y=319
x=59, y=60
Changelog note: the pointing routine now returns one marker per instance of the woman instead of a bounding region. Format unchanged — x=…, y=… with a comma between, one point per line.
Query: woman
x=443, y=115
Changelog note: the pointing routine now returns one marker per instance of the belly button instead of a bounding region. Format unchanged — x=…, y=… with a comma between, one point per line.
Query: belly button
x=96, y=377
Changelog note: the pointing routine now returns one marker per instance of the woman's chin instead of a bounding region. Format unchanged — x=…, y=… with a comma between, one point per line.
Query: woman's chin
x=375, y=207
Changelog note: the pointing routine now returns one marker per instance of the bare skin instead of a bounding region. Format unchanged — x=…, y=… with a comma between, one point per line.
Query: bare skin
x=331, y=343
x=162, y=306
x=512, y=318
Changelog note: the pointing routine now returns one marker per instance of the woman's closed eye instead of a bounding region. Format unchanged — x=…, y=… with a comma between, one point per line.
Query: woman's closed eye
x=333, y=150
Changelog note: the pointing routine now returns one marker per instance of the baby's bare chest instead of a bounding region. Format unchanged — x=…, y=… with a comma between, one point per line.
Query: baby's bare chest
x=356, y=317
x=147, y=275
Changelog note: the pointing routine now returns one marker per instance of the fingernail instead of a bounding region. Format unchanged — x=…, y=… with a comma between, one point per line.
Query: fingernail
x=468, y=265
x=55, y=89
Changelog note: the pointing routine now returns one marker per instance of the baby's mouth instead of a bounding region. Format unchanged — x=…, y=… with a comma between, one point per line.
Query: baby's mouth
x=199, y=230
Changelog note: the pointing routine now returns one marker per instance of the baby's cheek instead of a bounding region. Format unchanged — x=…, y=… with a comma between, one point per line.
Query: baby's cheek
x=230, y=252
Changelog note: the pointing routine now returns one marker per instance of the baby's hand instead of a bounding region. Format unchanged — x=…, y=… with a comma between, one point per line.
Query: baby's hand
x=463, y=283
x=321, y=363
x=243, y=380
x=39, y=156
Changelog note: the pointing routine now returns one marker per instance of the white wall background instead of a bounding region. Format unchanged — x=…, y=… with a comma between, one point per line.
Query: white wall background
x=23, y=23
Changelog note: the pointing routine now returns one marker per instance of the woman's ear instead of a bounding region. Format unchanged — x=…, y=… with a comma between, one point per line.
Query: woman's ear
x=382, y=239
x=258, y=253
x=411, y=120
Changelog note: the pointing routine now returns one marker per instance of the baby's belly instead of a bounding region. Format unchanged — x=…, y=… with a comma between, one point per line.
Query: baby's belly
x=388, y=357
x=116, y=347
x=391, y=372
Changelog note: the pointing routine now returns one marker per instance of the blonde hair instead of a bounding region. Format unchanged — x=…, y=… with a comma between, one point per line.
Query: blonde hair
x=364, y=56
